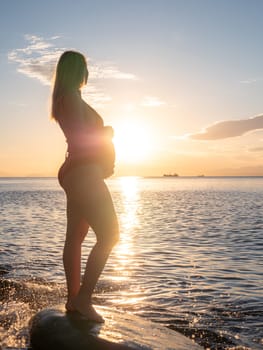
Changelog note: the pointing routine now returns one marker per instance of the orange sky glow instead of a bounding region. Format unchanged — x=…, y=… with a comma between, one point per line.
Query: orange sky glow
x=182, y=87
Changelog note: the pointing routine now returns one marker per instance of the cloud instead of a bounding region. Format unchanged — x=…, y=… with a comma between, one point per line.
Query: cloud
x=151, y=101
x=98, y=98
x=251, y=81
x=107, y=70
x=230, y=128
x=39, y=58
x=256, y=149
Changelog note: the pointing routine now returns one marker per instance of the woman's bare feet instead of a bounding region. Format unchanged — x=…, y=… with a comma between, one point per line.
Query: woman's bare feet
x=85, y=309
x=90, y=314
x=69, y=306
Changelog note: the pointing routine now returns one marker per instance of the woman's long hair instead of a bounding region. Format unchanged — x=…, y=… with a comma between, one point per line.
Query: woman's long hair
x=71, y=74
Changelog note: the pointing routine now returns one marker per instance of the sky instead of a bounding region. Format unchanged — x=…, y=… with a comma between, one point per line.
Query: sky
x=180, y=81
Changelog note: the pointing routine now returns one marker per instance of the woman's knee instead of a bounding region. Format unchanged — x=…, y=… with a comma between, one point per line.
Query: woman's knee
x=109, y=239
x=115, y=237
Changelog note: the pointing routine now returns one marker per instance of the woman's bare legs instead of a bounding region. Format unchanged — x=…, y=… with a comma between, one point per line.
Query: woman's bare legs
x=76, y=232
x=102, y=218
x=95, y=264
x=92, y=202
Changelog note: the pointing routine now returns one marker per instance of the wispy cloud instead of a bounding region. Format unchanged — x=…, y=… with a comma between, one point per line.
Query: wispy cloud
x=107, y=70
x=251, y=81
x=151, y=101
x=230, y=128
x=97, y=97
x=256, y=149
x=39, y=57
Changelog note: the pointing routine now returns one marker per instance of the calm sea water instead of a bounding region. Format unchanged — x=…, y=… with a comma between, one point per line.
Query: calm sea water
x=190, y=256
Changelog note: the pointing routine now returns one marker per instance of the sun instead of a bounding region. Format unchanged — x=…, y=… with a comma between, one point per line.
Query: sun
x=132, y=141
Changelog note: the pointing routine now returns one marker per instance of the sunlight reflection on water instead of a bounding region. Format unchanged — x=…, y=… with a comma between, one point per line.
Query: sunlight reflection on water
x=128, y=220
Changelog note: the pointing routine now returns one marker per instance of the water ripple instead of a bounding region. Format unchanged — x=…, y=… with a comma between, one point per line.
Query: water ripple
x=190, y=254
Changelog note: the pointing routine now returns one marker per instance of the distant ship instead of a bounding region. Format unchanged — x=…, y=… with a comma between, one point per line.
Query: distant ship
x=170, y=175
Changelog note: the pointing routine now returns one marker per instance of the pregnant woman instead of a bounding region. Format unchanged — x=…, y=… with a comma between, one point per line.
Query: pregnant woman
x=89, y=160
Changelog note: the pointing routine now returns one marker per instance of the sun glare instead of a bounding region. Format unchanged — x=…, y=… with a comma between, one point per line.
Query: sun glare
x=132, y=141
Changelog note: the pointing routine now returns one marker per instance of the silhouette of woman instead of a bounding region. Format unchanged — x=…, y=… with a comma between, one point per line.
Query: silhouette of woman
x=90, y=158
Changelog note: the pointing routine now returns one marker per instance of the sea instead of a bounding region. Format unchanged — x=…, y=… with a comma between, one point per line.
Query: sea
x=190, y=256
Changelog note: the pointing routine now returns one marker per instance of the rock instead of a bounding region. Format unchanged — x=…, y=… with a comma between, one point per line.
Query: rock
x=53, y=329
